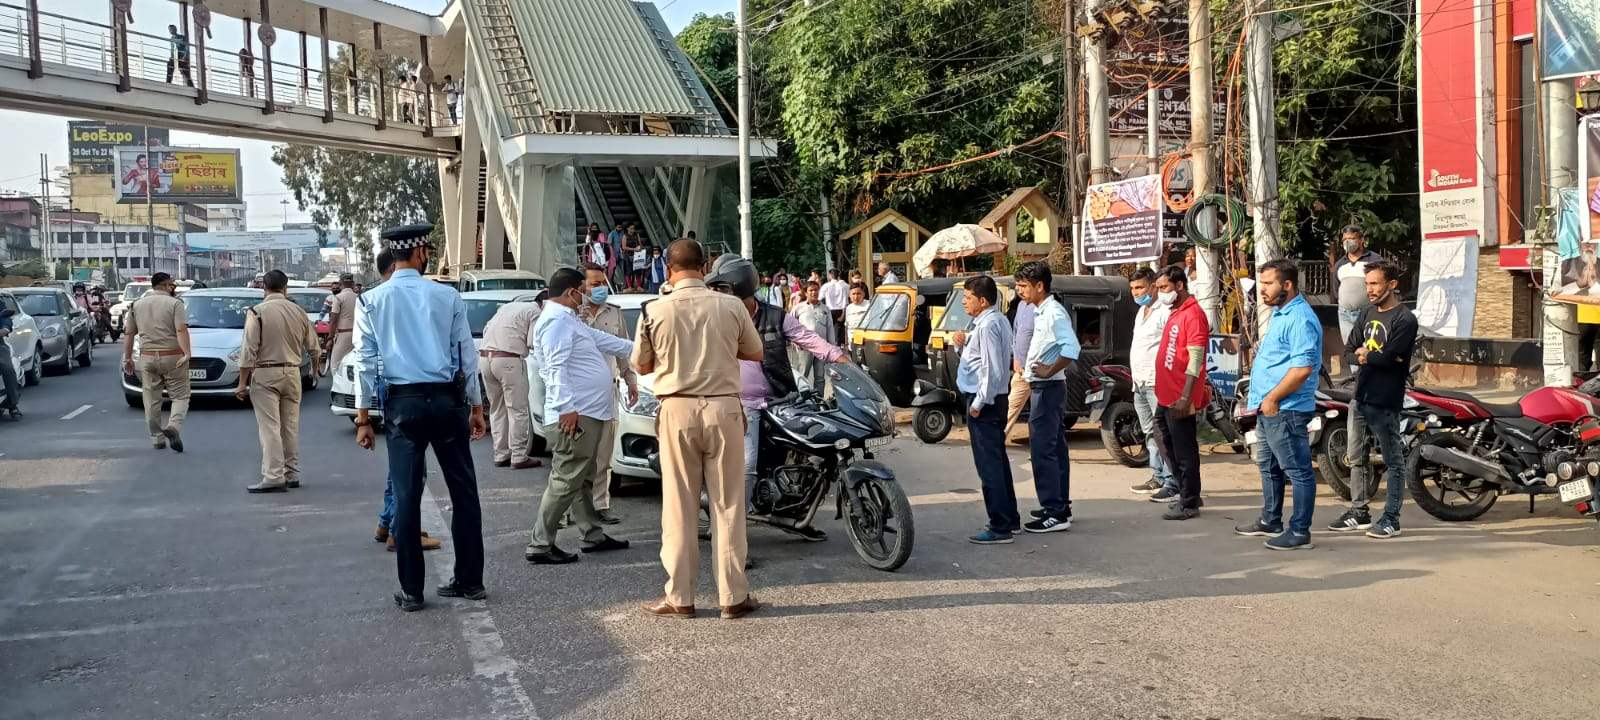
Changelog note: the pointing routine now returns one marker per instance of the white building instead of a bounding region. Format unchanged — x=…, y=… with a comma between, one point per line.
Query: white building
x=104, y=245
x=226, y=218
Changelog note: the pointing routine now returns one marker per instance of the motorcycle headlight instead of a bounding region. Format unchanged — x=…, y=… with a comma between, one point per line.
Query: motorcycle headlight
x=1566, y=470
x=1593, y=468
x=646, y=405
x=50, y=331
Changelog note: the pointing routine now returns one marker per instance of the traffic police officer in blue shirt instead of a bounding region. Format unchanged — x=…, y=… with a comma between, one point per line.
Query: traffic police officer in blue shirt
x=1283, y=384
x=414, y=332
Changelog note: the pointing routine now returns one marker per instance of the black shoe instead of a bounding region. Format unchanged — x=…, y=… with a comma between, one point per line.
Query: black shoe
x=606, y=545
x=750, y=563
x=556, y=556
x=811, y=534
x=14, y=413
x=1164, y=495
x=1352, y=520
x=1146, y=487
x=293, y=484
x=174, y=440
x=1036, y=514
x=1049, y=523
x=407, y=602
x=456, y=589
x=606, y=518
x=1180, y=513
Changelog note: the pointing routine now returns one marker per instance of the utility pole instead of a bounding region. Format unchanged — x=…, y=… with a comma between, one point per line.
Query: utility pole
x=1099, y=117
x=1263, y=145
x=827, y=233
x=1204, y=281
x=1560, y=158
x=44, y=203
x=746, y=234
x=1069, y=121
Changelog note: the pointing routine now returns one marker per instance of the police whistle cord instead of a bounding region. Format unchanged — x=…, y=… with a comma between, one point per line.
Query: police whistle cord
x=1228, y=233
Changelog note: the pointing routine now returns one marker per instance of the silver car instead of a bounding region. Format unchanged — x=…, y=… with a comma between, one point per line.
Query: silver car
x=216, y=337
x=63, y=327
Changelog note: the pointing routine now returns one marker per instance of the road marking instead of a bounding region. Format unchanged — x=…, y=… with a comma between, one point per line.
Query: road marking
x=490, y=662
x=81, y=409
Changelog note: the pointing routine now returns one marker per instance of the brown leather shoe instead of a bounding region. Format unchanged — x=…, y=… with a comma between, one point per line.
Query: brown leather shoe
x=382, y=535
x=664, y=608
x=734, y=612
x=428, y=543
x=525, y=464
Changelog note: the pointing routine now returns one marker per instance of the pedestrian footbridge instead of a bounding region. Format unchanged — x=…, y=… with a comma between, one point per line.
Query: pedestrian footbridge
x=570, y=111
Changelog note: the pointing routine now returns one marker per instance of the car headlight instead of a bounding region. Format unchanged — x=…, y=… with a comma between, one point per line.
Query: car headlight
x=234, y=356
x=50, y=331
x=647, y=404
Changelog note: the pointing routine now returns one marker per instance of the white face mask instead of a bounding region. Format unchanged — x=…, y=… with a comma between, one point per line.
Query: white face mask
x=1167, y=298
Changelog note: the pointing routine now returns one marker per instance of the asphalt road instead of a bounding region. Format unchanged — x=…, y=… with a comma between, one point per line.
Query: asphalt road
x=137, y=583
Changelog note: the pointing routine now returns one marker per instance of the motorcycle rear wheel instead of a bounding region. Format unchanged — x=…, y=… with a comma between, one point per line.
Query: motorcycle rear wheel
x=1432, y=485
x=1332, y=463
x=1122, y=436
x=883, y=533
x=932, y=424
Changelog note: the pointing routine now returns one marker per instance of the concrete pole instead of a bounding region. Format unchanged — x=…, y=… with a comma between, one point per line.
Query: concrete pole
x=1561, y=171
x=1263, y=145
x=1094, y=70
x=827, y=233
x=1071, y=187
x=746, y=233
x=1204, y=283
x=1152, y=131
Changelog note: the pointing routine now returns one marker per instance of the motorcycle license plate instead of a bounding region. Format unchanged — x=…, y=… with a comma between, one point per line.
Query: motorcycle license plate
x=1094, y=397
x=1250, y=437
x=1576, y=490
x=197, y=374
x=1315, y=425
x=877, y=442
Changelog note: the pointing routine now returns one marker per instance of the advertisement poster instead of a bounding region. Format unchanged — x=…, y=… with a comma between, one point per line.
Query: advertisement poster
x=1222, y=365
x=1569, y=31
x=1447, y=285
x=254, y=240
x=177, y=175
x=1589, y=175
x=1122, y=221
x=92, y=145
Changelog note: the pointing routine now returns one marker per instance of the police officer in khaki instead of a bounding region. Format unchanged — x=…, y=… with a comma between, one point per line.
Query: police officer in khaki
x=692, y=340
x=503, y=360
x=605, y=317
x=160, y=322
x=342, y=320
x=277, y=334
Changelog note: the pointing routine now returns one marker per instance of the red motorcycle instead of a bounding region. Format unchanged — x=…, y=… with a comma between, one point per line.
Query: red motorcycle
x=1475, y=451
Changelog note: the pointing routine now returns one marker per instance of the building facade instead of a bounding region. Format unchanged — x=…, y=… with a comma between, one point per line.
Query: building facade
x=83, y=244
x=20, y=221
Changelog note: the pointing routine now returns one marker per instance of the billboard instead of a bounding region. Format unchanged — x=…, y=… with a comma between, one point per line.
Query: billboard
x=1122, y=221
x=91, y=144
x=299, y=239
x=1569, y=31
x=178, y=175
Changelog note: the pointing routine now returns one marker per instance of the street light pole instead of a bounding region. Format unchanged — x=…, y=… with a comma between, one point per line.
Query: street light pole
x=746, y=234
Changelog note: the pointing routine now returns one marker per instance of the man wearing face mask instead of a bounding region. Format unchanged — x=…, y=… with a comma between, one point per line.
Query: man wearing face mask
x=1349, y=277
x=1181, y=388
x=606, y=318
x=1148, y=323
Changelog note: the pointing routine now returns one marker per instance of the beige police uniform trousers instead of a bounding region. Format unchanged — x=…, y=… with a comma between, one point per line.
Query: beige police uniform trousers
x=702, y=446
x=164, y=372
x=343, y=343
x=506, y=380
x=602, y=465
x=1016, y=400
x=275, y=397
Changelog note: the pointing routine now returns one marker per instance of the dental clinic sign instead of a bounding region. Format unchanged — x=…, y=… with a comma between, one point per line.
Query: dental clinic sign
x=1454, y=70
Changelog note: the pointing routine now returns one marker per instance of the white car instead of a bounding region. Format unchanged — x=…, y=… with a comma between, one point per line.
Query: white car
x=26, y=356
x=636, y=424
x=481, y=306
x=216, y=338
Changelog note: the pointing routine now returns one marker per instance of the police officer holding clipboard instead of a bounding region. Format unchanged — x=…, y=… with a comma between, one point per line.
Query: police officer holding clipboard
x=413, y=344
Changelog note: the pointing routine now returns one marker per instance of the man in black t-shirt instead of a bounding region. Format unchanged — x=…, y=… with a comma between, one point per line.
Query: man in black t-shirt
x=1379, y=347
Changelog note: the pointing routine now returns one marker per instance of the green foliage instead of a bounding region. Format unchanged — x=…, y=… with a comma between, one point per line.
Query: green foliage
x=710, y=42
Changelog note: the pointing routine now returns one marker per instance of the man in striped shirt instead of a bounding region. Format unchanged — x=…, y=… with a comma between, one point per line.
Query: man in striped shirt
x=982, y=378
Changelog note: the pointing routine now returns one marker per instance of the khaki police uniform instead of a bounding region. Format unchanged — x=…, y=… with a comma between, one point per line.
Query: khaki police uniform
x=344, y=305
x=505, y=379
x=608, y=319
x=277, y=335
x=692, y=338
x=158, y=319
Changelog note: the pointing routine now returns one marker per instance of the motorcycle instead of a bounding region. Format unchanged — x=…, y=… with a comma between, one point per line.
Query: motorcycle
x=820, y=440
x=1578, y=479
x=101, y=315
x=1478, y=451
x=1110, y=402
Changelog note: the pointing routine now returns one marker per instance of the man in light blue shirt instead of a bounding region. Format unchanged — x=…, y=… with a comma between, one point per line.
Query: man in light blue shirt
x=1052, y=348
x=579, y=400
x=982, y=377
x=416, y=331
x=1283, y=385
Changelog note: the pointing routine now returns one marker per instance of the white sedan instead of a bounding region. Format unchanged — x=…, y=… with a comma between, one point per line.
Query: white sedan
x=26, y=352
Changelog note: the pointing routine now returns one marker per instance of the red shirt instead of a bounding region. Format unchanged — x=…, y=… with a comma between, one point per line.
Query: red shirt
x=1186, y=327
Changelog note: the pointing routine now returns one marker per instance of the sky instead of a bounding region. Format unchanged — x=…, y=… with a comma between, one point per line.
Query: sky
x=29, y=134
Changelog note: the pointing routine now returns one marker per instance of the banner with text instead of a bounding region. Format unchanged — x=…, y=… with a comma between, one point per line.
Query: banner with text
x=178, y=175
x=92, y=145
x=254, y=240
x=1589, y=175
x=1122, y=222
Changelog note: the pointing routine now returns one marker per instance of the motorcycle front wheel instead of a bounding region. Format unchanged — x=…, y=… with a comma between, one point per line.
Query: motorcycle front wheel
x=1445, y=493
x=877, y=518
x=931, y=423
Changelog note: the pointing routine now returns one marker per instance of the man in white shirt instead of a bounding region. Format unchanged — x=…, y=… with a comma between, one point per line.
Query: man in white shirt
x=1052, y=348
x=1148, y=323
x=887, y=274
x=836, y=293
x=813, y=316
x=580, y=398
x=856, y=312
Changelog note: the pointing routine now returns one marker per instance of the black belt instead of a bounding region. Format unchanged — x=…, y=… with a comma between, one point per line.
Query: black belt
x=276, y=365
x=420, y=389
x=1041, y=383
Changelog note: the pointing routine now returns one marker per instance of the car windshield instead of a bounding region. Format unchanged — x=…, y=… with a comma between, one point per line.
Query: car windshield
x=955, y=314
x=888, y=311
x=509, y=284
x=479, y=312
x=218, y=311
x=132, y=292
x=37, y=304
x=309, y=302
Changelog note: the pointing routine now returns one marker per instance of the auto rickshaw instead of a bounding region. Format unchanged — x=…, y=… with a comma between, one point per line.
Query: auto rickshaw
x=892, y=342
x=1102, y=311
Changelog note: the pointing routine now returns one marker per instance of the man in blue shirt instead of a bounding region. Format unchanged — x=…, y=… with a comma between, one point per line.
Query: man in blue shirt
x=1283, y=385
x=1051, y=350
x=416, y=332
x=984, y=373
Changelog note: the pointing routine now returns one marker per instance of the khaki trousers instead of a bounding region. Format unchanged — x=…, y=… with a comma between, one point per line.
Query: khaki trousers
x=157, y=373
x=1016, y=400
x=702, y=446
x=602, y=465
x=571, y=468
x=275, y=397
x=343, y=343
x=506, y=380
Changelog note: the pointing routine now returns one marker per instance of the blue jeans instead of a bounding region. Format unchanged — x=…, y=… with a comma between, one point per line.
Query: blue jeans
x=1347, y=322
x=1367, y=423
x=988, y=434
x=1284, y=454
x=386, y=515
x=1047, y=444
x=1144, y=403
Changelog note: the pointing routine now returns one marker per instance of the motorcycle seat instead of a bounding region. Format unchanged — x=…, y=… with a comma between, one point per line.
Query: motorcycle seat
x=1343, y=395
x=1499, y=410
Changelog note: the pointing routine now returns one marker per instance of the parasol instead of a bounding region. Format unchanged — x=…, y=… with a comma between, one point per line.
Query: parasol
x=956, y=241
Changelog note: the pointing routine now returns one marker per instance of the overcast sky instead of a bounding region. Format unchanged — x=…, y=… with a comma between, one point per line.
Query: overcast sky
x=29, y=134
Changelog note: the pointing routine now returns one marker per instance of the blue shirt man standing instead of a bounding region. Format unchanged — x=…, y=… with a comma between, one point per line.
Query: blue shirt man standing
x=983, y=376
x=1283, y=385
x=414, y=345
x=1051, y=350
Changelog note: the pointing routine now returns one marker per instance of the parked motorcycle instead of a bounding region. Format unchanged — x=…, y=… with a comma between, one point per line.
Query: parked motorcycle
x=1477, y=451
x=1110, y=403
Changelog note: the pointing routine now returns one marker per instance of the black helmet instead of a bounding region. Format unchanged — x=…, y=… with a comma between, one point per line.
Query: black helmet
x=736, y=272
